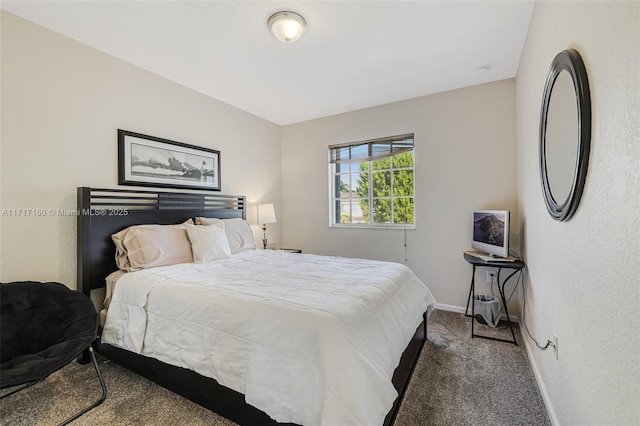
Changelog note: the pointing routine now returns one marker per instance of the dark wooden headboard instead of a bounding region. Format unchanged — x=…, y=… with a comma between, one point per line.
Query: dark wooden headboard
x=103, y=212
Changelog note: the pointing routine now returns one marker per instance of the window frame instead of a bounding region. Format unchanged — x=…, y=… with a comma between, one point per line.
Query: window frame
x=334, y=194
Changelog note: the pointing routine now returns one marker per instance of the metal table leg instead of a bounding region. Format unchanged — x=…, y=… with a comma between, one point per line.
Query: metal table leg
x=504, y=304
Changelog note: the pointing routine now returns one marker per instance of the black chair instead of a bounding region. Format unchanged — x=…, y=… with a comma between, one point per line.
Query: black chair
x=43, y=327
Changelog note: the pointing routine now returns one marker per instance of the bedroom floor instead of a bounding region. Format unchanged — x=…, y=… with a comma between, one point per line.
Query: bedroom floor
x=458, y=381
x=463, y=381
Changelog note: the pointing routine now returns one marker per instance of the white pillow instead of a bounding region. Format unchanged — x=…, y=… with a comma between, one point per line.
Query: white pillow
x=208, y=243
x=238, y=232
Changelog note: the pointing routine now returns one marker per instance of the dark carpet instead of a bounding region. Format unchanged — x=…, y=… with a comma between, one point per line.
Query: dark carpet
x=457, y=381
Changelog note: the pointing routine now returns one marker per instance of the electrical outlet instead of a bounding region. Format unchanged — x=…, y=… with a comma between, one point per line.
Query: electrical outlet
x=555, y=344
x=491, y=275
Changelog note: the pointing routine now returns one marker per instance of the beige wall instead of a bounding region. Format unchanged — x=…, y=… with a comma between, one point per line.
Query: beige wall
x=464, y=160
x=62, y=103
x=584, y=275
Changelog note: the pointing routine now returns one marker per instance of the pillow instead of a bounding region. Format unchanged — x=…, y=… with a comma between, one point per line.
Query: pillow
x=147, y=246
x=208, y=243
x=122, y=261
x=238, y=232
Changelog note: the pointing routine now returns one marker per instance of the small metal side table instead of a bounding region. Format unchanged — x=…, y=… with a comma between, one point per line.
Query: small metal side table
x=516, y=266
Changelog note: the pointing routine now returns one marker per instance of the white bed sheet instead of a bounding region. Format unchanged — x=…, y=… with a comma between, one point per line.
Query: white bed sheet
x=308, y=339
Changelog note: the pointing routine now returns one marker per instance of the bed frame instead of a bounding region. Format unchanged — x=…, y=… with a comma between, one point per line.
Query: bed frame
x=103, y=212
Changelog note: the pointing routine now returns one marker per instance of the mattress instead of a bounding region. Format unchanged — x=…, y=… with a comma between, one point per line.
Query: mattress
x=308, y=339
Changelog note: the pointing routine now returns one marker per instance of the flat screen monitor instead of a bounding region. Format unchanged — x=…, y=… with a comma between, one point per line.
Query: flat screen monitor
x=491, y=232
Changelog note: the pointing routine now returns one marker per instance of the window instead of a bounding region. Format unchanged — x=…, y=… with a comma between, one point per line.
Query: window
x=372, y=183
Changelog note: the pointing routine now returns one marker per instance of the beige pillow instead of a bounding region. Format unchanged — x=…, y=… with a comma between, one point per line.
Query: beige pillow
x=147, y=246
x=122, y=261
x=208, y=243
x=238, y=232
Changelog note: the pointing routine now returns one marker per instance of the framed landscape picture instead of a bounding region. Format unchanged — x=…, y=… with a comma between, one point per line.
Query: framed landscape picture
x=150, y=161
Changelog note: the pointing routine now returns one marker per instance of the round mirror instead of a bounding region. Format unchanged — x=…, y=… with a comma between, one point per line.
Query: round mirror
x=565, y=134
x=561, y=137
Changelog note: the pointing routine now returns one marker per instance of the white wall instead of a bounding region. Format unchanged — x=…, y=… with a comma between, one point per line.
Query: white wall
x=62, y=103
x=464, y=160
x=584, y=274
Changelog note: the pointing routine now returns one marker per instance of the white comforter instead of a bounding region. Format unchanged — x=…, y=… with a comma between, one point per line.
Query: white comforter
x=307, y=339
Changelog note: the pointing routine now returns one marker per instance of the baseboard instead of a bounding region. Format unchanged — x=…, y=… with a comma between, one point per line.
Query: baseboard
x=536, y=372
x=461, y=310
x=450, y=308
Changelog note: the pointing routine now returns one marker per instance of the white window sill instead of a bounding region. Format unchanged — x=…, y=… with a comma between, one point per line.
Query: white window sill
x=370, y=226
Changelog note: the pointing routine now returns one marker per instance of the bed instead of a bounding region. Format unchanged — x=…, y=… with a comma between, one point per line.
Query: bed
x=272, y=328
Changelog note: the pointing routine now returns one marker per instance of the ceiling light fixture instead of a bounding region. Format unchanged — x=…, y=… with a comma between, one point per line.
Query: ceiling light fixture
x=287, y=26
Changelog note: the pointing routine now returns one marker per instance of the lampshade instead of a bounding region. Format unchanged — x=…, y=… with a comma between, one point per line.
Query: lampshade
x=266, y=213
x=287, y=26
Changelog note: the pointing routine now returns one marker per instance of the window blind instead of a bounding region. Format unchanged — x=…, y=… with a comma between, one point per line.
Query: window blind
x=373, y=149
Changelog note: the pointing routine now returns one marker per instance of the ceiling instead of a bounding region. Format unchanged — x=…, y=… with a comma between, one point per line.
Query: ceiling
x=354, y=54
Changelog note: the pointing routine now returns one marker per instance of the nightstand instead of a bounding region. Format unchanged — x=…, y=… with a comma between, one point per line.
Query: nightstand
x=292, y=250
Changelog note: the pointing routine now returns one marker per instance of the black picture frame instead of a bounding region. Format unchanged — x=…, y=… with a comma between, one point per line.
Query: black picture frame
x=145, y=160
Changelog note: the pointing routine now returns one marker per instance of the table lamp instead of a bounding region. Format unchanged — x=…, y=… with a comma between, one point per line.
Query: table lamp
x=266, y=214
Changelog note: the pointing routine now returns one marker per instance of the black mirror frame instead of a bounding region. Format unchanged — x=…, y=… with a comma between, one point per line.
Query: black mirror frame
x=568, y=60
